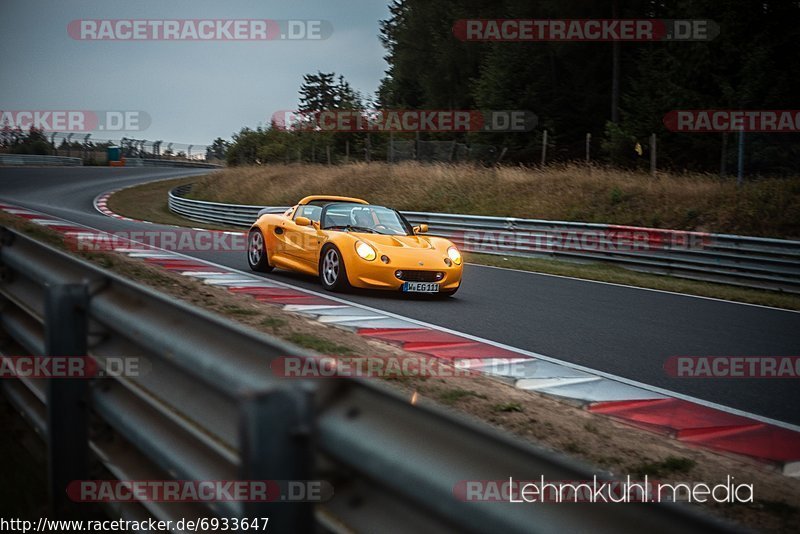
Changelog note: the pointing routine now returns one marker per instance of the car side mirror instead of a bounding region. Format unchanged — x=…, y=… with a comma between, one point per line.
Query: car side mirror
x=302, y=221
x=421, y=229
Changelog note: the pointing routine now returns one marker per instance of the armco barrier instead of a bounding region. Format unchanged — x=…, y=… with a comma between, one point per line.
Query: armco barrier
x=738, y=260
x=210, y=409
x=35, y=160
x=159, y=162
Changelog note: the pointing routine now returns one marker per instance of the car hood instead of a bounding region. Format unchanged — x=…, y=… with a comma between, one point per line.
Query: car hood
x=385, y=242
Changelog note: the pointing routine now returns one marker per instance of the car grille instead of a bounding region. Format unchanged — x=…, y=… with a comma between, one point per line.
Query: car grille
x=419, y=276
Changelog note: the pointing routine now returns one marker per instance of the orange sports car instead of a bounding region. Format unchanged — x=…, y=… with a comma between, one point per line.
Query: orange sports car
x=348, y=242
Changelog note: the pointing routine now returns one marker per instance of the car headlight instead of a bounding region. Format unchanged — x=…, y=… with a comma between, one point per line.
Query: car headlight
x=454, y=255
x=365, y=251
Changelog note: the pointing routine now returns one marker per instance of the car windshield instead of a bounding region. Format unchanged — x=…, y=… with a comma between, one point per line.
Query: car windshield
x=364, y=218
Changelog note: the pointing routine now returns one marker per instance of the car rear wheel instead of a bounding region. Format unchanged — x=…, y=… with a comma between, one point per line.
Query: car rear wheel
x=332, y=272
x=257, y=252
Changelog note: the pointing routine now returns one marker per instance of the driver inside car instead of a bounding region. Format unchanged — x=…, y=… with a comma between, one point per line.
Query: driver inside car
x=363, y=218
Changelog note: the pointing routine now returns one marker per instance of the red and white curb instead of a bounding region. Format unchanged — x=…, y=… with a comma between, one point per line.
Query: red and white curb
x=101, y=205
x=684, y=418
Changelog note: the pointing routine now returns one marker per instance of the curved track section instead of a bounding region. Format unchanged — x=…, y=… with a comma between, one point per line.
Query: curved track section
x=618, y=330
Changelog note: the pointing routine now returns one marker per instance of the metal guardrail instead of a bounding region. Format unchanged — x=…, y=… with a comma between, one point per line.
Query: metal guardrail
x=26, y=159
x=36, y=160
x=753, y=262
x=214, y=212
x=210, y=409
x=159, y=162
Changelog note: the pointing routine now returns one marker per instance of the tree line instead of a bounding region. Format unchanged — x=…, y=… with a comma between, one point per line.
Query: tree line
x=617, y=92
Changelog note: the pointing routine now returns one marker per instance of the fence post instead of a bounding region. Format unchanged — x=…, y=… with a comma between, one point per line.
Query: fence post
x=502, y=153
x=391, y=146
x=588, y=147
x=66, y=333
x=740, y=169
x=722, y=160
x=347, y=151
x=328, y=153
x=274, y=434
x=544, y=147
x=653, y=157
x=368, y=149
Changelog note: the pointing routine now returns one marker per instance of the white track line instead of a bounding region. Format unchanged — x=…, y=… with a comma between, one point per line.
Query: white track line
x=633, y=287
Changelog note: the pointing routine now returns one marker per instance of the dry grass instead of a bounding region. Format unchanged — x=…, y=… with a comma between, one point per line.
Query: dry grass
x=765, y=207
x=148, y=202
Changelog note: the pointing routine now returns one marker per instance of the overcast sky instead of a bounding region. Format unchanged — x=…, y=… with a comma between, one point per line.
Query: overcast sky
x=192, y=91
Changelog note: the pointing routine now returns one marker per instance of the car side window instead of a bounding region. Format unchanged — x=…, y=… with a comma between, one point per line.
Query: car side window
x=311, y=212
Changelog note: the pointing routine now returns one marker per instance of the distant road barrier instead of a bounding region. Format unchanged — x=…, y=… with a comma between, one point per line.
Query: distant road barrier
x=752, y=262
x=35, y=160
x=158, y=162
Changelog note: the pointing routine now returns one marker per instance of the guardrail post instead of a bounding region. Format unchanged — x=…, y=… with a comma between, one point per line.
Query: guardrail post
x=544, y=148
x=740, y=164
x=653, y=155
x=67, y=410
x=275, y=430
x=588, y=148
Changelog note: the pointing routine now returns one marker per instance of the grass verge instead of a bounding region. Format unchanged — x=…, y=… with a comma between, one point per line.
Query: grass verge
x=148, y=202
x=702, y=202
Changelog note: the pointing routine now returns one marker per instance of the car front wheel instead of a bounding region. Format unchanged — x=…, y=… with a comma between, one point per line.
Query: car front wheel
x=332, y=272
x=257, y=252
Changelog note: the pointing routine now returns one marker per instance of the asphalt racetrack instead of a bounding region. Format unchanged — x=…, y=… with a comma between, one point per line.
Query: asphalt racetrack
x=619, y=330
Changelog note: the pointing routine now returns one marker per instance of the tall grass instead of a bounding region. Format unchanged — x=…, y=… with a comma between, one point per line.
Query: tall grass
x=765, y=207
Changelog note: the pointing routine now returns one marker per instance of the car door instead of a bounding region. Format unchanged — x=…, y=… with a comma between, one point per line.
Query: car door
x=302, y=242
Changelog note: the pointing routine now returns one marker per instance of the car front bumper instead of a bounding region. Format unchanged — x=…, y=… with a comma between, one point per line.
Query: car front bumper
x=378, y=275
